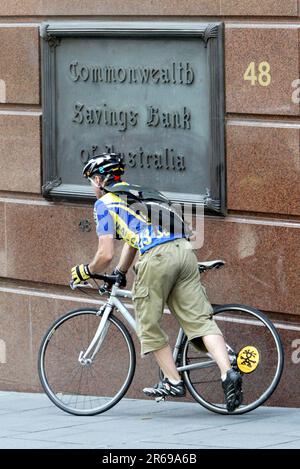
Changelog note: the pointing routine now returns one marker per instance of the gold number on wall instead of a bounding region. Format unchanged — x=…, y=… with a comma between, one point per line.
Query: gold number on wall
x=250, y=74
x=264, y=76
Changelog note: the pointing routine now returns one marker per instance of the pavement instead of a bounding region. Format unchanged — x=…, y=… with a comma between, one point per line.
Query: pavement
x=31, y=421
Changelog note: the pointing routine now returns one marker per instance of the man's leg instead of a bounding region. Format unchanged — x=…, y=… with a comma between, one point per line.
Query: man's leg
x=231, y=378
x=215, y=345
x=171, y=385
x=166, y=362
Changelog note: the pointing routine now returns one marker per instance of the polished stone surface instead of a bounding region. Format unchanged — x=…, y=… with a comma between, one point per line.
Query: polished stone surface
x=155, y=7
x=20, y=135
x=279, y=47
x=259, y=8
x=15, y=347
x=263, y=167
x=262, y=262
x=19, y=64
x=105, y=7
x=45, y=241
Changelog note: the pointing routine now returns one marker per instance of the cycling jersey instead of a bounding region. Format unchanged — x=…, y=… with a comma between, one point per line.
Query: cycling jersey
x=113, y=216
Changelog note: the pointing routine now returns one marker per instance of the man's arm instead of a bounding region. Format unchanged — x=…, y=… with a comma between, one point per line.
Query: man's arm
x=103, y=255
x=126, y=259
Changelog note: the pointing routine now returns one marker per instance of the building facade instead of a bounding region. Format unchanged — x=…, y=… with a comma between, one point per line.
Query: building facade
x=259, y=238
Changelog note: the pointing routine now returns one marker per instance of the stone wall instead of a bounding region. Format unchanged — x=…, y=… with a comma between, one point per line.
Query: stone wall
x=260, y=237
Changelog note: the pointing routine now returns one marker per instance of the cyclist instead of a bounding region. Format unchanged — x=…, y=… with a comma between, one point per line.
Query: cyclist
x=167, y=272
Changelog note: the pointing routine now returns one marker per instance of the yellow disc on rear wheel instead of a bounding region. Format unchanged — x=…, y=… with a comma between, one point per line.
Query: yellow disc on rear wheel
x=248, y=359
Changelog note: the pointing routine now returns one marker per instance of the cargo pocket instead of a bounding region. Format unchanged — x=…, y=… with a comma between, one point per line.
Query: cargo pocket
x=140, y=299
x=141, y=302
x=140, y=292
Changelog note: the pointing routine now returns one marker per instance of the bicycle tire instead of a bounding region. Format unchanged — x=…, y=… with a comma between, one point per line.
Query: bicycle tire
x=251, y=328
x=76, y=328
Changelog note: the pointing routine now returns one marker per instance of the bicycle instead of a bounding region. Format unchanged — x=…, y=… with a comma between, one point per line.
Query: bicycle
x=85, y=348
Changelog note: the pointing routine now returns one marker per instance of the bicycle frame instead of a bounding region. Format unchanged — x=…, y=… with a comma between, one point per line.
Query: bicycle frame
x=106, y=310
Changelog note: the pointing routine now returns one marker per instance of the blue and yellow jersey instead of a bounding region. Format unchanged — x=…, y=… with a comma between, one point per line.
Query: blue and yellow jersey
x=113, y=216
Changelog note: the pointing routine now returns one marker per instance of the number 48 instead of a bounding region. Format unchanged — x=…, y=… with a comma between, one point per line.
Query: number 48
x=264, y=76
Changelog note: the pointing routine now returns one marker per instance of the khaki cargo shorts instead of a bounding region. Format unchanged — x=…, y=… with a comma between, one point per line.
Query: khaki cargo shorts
x=168, y=274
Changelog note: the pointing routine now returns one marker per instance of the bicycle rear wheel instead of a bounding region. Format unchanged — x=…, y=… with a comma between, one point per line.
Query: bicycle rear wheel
x=85, y=389
x=254, y=348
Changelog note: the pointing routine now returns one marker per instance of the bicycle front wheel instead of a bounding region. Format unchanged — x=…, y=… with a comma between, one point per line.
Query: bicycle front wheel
x=254, y=348
x=93, y=387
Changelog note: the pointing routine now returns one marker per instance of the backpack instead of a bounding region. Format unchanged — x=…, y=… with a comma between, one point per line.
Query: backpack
x=154, y=206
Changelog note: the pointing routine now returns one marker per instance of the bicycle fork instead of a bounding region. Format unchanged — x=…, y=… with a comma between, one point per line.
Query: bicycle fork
x=86, y=358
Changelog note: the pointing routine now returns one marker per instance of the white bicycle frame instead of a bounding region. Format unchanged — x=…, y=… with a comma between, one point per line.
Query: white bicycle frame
x=106, y=310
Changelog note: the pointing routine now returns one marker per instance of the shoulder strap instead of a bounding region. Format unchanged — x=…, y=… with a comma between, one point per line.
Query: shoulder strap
x=137, y=192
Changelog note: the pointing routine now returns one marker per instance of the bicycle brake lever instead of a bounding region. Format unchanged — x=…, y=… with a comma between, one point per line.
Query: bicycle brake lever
x=74, y=286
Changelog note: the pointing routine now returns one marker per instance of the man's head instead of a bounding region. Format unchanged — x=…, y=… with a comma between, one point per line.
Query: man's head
x=102, y=170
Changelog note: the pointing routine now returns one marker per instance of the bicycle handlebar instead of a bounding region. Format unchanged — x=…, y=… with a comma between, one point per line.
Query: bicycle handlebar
x=111, y=279
x=108, y=279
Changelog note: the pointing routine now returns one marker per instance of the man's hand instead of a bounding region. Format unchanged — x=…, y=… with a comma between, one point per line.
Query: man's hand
x=80, y=273
x=121, y=277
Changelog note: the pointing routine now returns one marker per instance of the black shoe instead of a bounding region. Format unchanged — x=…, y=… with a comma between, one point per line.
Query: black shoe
x=232, y=387
x=165, y=388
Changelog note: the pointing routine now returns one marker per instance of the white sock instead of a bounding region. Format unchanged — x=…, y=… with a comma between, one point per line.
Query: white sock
x=223, y=377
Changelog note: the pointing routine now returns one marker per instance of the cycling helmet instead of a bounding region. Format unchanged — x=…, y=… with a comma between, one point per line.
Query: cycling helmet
x=108, y=165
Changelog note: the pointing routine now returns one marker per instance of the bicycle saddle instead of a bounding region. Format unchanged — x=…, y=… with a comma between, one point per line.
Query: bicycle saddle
x=208, y=265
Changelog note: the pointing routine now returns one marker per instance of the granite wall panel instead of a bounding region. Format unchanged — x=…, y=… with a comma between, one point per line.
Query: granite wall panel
x=262, y=262
x=263, y=167
x=15, y=336
x=155, y=7
x=261, y=63
x=105, y=7
x=44, y=241
x=19, y=64
x=20, y=154
x=259, y=8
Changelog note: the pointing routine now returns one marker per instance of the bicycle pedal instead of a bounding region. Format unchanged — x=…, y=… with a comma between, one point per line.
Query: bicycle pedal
x=160, y=399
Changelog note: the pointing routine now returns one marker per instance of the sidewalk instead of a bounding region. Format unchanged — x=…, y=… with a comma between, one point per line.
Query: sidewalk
x=32, y=421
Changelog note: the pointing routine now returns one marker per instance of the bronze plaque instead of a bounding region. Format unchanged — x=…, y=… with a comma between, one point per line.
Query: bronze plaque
x=151, y=91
